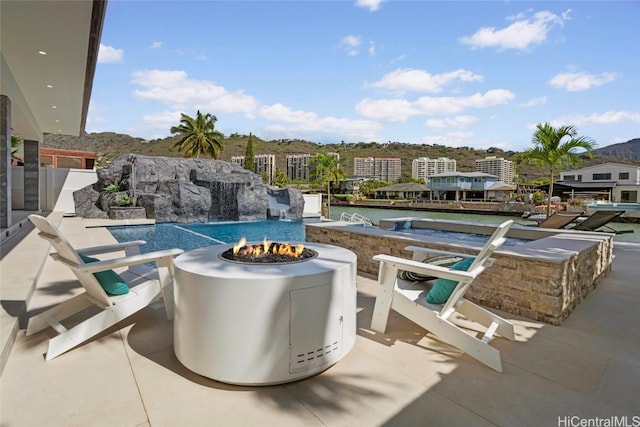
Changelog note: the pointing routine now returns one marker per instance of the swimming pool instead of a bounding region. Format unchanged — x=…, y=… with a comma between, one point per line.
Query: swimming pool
x=198, y=235
x=456, y=235
x=416, y=226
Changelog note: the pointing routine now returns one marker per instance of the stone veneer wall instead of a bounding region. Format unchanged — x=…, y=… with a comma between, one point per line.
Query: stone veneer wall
x=540, y=290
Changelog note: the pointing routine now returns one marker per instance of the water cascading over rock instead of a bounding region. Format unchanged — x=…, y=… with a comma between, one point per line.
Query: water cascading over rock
x=187, y=190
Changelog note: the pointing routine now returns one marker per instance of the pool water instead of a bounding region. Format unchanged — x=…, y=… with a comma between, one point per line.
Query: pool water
x=467, y=237
x=198, y=235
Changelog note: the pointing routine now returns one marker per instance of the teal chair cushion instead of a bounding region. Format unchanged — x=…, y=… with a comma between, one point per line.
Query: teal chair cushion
x=110, y=281
x=443, y=288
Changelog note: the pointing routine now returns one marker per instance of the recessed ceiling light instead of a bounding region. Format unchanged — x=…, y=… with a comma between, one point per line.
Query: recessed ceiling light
x=57, y=121
x=49, y=86
x=53, y=106
x=42, y=52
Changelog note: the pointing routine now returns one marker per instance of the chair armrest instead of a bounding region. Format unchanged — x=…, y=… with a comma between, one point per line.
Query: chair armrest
x=440, y=252
x=109, y=264
x=110, y=248
x=428, y=269
x=419, y=249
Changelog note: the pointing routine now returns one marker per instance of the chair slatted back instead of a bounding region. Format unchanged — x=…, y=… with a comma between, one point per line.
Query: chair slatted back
x=70, y=257
x=597, y=220
x=496, y=240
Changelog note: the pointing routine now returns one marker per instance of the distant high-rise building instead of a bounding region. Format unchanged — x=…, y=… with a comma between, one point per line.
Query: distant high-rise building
x=237, y=160
x=380, y=168
x=263, y=164
x=363, y=167
x=498, y=166
x=298, y=166
x=424, y=167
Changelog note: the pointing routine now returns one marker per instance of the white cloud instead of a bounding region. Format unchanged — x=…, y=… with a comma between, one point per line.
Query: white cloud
x=521, y=34
x=372, y=5
x=372, y=48
x=174, y=88
x=399, y=58
x=351, y=44
x=161, y=120
x=109, y=55
x=607, y=118
x=399, y=110
x=155, y=45
x=456, y=122
x=409, y=79
x=542, y=100
x=574, y=82
x=303, y=122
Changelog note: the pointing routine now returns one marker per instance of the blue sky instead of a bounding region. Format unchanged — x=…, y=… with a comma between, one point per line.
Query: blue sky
x=456, y=73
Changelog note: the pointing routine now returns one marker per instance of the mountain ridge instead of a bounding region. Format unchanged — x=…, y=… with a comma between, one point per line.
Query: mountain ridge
x=109, y=145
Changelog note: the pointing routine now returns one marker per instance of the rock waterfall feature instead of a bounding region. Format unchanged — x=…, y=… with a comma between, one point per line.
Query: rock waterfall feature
x=184, y=190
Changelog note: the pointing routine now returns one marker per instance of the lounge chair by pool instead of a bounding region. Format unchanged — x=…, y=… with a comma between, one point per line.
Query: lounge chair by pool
x=600, y=219
x=559, y=220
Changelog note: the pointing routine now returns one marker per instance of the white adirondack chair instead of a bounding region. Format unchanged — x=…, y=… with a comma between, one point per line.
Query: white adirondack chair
x=114, y=308
x=409, y=300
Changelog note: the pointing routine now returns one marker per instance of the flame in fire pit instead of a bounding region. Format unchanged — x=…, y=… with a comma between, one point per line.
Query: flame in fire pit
x=267, y=248
x=267, y=252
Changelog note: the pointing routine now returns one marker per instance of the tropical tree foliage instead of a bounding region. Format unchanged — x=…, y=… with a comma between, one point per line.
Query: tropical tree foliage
x=555, y=148
x=281, y=180
x=368, y=187
x=249, y=161
x=325, y=168
x=15, y=143
x=198, y=135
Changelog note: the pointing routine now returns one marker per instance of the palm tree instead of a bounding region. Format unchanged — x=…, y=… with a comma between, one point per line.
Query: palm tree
x=326, y=168
x=198, y=135
x=555, y=148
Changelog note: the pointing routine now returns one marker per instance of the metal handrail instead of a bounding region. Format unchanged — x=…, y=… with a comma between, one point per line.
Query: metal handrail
x=355, y=217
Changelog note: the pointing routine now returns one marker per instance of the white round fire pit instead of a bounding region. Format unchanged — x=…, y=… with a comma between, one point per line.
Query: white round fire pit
x=264, y=323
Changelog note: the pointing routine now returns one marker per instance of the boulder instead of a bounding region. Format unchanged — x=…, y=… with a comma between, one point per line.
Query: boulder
x=189, y=190
x=86, y=203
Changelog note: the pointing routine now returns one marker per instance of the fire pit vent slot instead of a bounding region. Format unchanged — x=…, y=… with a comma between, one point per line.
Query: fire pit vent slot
x=320, y=356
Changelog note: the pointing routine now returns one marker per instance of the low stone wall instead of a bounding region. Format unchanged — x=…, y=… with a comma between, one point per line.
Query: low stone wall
x=543, y=280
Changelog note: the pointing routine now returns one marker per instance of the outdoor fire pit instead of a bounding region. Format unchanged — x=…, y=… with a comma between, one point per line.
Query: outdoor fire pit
x=268, y=253
x=276, y=319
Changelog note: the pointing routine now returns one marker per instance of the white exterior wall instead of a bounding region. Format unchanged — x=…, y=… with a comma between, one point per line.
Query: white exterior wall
x=312, y=205
x=613, y=168
x=630, y=184
x=56, y=187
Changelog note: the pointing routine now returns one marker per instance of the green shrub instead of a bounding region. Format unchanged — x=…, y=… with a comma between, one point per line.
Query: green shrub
x=125, y=200
x=113, y=187
x=538, y=198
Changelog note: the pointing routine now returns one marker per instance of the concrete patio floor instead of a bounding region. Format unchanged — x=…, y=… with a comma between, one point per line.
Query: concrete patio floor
x=589, y=367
